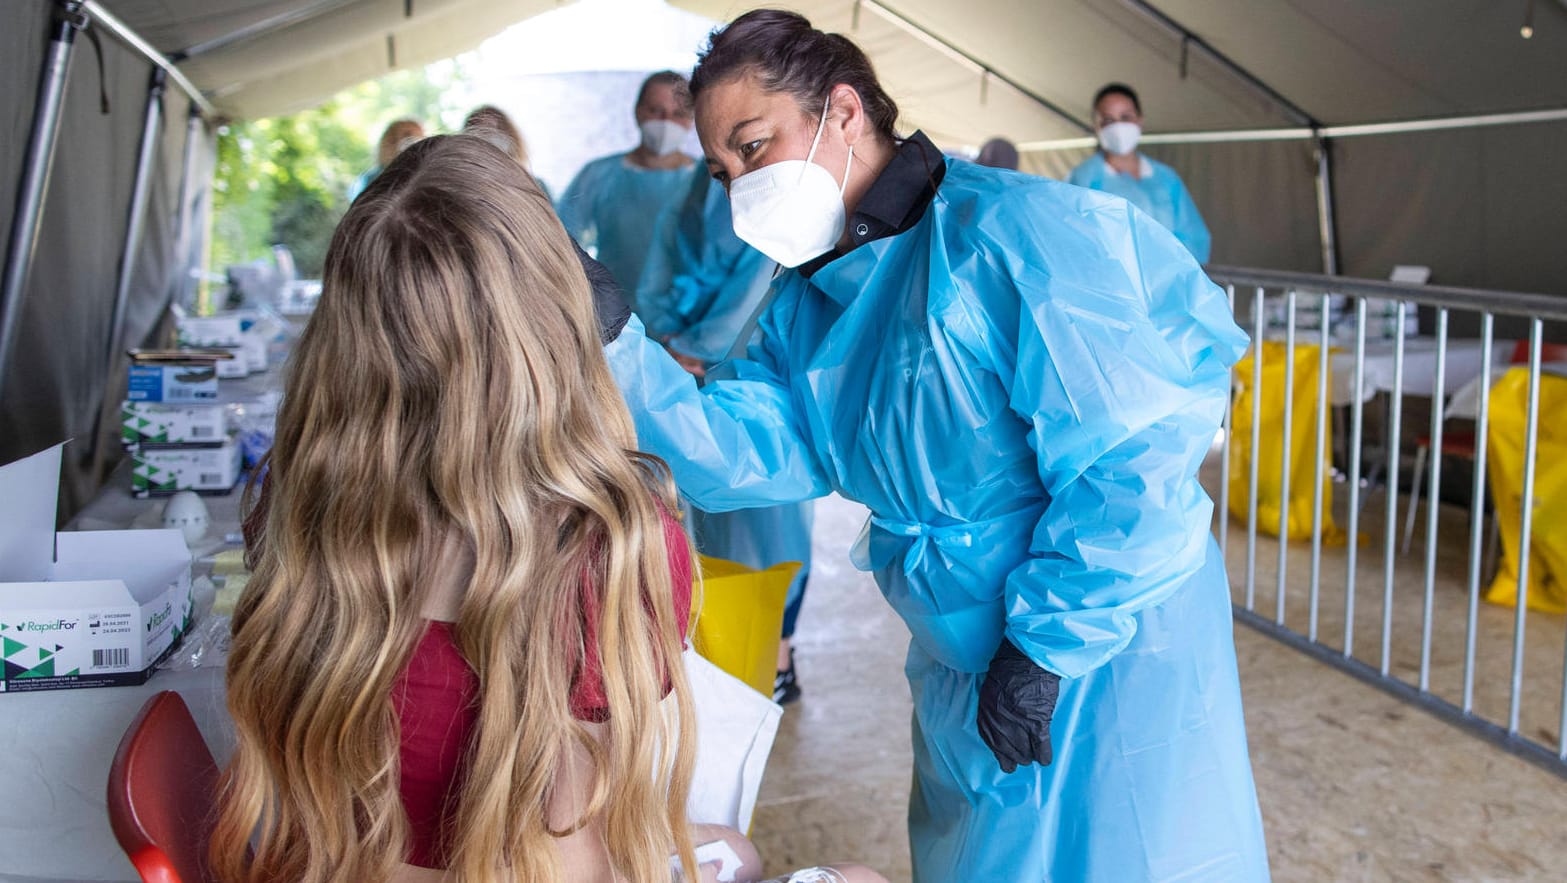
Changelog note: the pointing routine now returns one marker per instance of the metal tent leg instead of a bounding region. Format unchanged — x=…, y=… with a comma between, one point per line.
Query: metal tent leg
x=185, y=242
x=1327, y=228
x=138, y=211
x=34, y=182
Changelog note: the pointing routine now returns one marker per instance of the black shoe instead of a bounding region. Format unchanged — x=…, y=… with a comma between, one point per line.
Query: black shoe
x=786, y=687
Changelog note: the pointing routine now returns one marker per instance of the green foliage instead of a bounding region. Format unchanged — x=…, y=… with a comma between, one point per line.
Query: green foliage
x=286, y=179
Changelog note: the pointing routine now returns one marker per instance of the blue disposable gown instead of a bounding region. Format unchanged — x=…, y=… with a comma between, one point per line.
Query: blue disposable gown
x=1161, y=194
x=1021, y=388
x=699, y=287
x=701, y=282
x=611, y=207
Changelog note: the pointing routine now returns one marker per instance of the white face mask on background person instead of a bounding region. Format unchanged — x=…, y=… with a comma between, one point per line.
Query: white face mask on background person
x=792, y=210
x=1120, y=139
x=663, y=137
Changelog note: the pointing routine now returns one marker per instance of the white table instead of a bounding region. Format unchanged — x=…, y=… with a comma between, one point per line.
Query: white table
x=56, y=746
x=1465, y=403
x=1463, y=366
x=54, y=822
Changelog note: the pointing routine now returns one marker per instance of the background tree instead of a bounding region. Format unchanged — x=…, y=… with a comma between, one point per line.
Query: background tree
x=284, y=180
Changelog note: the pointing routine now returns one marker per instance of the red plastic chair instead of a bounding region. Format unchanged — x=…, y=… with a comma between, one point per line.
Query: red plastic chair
x=163, y=787
x=1462, y=444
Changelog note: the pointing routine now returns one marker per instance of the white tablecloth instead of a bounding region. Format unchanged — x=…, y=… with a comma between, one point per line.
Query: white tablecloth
x=54, y=822
x=1463, y=366
x=56, y=746
x=1465, y=403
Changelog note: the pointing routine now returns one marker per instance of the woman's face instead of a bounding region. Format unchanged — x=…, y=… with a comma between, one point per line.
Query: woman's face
x=1115, y=108
x=744, y=127
x=662, y=102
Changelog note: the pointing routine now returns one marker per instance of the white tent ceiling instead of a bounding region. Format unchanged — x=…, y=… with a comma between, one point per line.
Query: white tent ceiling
x=1340, y=62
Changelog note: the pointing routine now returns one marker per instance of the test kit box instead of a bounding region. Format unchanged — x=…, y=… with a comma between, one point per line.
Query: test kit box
x=237, y=332
x=204, y=470
x=82, y=608
x=157, y=423
x=182, y=379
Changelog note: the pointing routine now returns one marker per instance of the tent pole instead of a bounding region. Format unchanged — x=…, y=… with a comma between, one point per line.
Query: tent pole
x=34, y=183
x=184, y=249
x=111, y=25
x=133, y=225
x=1355, y=130
x=1326, y=227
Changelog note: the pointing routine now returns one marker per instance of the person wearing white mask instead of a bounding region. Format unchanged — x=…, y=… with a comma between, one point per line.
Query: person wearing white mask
x=612, y=204
x=1117, y=168
x=1019, y=379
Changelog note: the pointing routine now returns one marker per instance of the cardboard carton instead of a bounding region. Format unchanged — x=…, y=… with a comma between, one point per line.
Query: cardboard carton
x=87, y=608
x=156, y=423
x=168, y=470
x=174, y=379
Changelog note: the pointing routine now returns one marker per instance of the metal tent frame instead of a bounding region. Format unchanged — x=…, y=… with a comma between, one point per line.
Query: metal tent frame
x=74, y=17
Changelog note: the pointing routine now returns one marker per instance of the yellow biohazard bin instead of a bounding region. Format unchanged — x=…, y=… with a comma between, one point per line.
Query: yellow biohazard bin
x=1303, y=444
x=1548, y=528
x=741, y=617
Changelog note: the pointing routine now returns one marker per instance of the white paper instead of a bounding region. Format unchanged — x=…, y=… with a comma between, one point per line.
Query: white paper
x=735, y=730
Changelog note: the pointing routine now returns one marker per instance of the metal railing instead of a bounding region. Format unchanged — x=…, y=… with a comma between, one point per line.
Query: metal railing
x=1392, y=666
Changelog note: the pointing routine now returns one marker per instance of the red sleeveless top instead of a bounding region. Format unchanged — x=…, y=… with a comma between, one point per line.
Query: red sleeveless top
x=435, y=699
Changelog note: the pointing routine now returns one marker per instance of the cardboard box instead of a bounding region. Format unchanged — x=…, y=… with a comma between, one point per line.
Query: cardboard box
x=82, y=608
x=167, y=470
x=237, y=331
x=179, y=381
x=156, y=423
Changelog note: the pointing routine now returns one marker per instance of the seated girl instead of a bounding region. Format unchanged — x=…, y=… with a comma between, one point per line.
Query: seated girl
x=459, y=656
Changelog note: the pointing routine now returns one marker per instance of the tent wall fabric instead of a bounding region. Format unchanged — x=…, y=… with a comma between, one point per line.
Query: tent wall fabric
x=59, y=373
x=1279, y=231
x=1484, y=208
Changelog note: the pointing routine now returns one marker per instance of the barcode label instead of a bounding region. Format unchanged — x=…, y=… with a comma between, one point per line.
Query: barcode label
x=211, y=478
x=118, y=657
x=202, y=432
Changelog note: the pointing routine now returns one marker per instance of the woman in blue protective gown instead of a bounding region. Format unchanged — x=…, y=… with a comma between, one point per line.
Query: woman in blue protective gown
x=611, y=205
x=1019, y=379
x=1116, y=167
x=700, y=287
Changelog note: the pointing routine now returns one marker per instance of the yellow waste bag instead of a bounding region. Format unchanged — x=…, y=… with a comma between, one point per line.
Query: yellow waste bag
x=1548, y=528
x=742, y=613
x=1303, y=444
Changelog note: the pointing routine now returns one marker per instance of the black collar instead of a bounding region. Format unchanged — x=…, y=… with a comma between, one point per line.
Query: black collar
x=896, y=200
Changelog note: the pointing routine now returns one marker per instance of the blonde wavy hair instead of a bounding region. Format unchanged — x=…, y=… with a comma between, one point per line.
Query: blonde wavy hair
x=452, y=383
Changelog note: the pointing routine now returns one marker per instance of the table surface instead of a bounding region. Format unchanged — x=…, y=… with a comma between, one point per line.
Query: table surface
x=1378, y=369
x=54, y=823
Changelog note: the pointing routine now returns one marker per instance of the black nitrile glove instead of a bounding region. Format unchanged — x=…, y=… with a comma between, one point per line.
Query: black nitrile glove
x=608, y=302
x=1016, y=702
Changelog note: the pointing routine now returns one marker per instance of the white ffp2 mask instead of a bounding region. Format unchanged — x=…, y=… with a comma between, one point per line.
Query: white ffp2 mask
x=792, y=210
x=663, y=137
x=1119, y=139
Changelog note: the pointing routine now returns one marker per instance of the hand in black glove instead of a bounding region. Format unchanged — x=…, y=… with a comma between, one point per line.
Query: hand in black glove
x=608, y=302
x=1016, y=702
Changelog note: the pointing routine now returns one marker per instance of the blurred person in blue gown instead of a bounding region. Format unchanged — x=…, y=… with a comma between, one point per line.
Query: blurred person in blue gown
x=700, y=286
x=1116, y=167
x=611, y=206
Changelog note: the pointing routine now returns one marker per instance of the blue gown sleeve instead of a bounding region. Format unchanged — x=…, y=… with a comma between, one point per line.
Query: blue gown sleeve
x=1189, y=226
x=576, y=206
x=1082, y=175
x=1122, y=368
x=656, y=300
x=712, y=335
x=737, y=443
